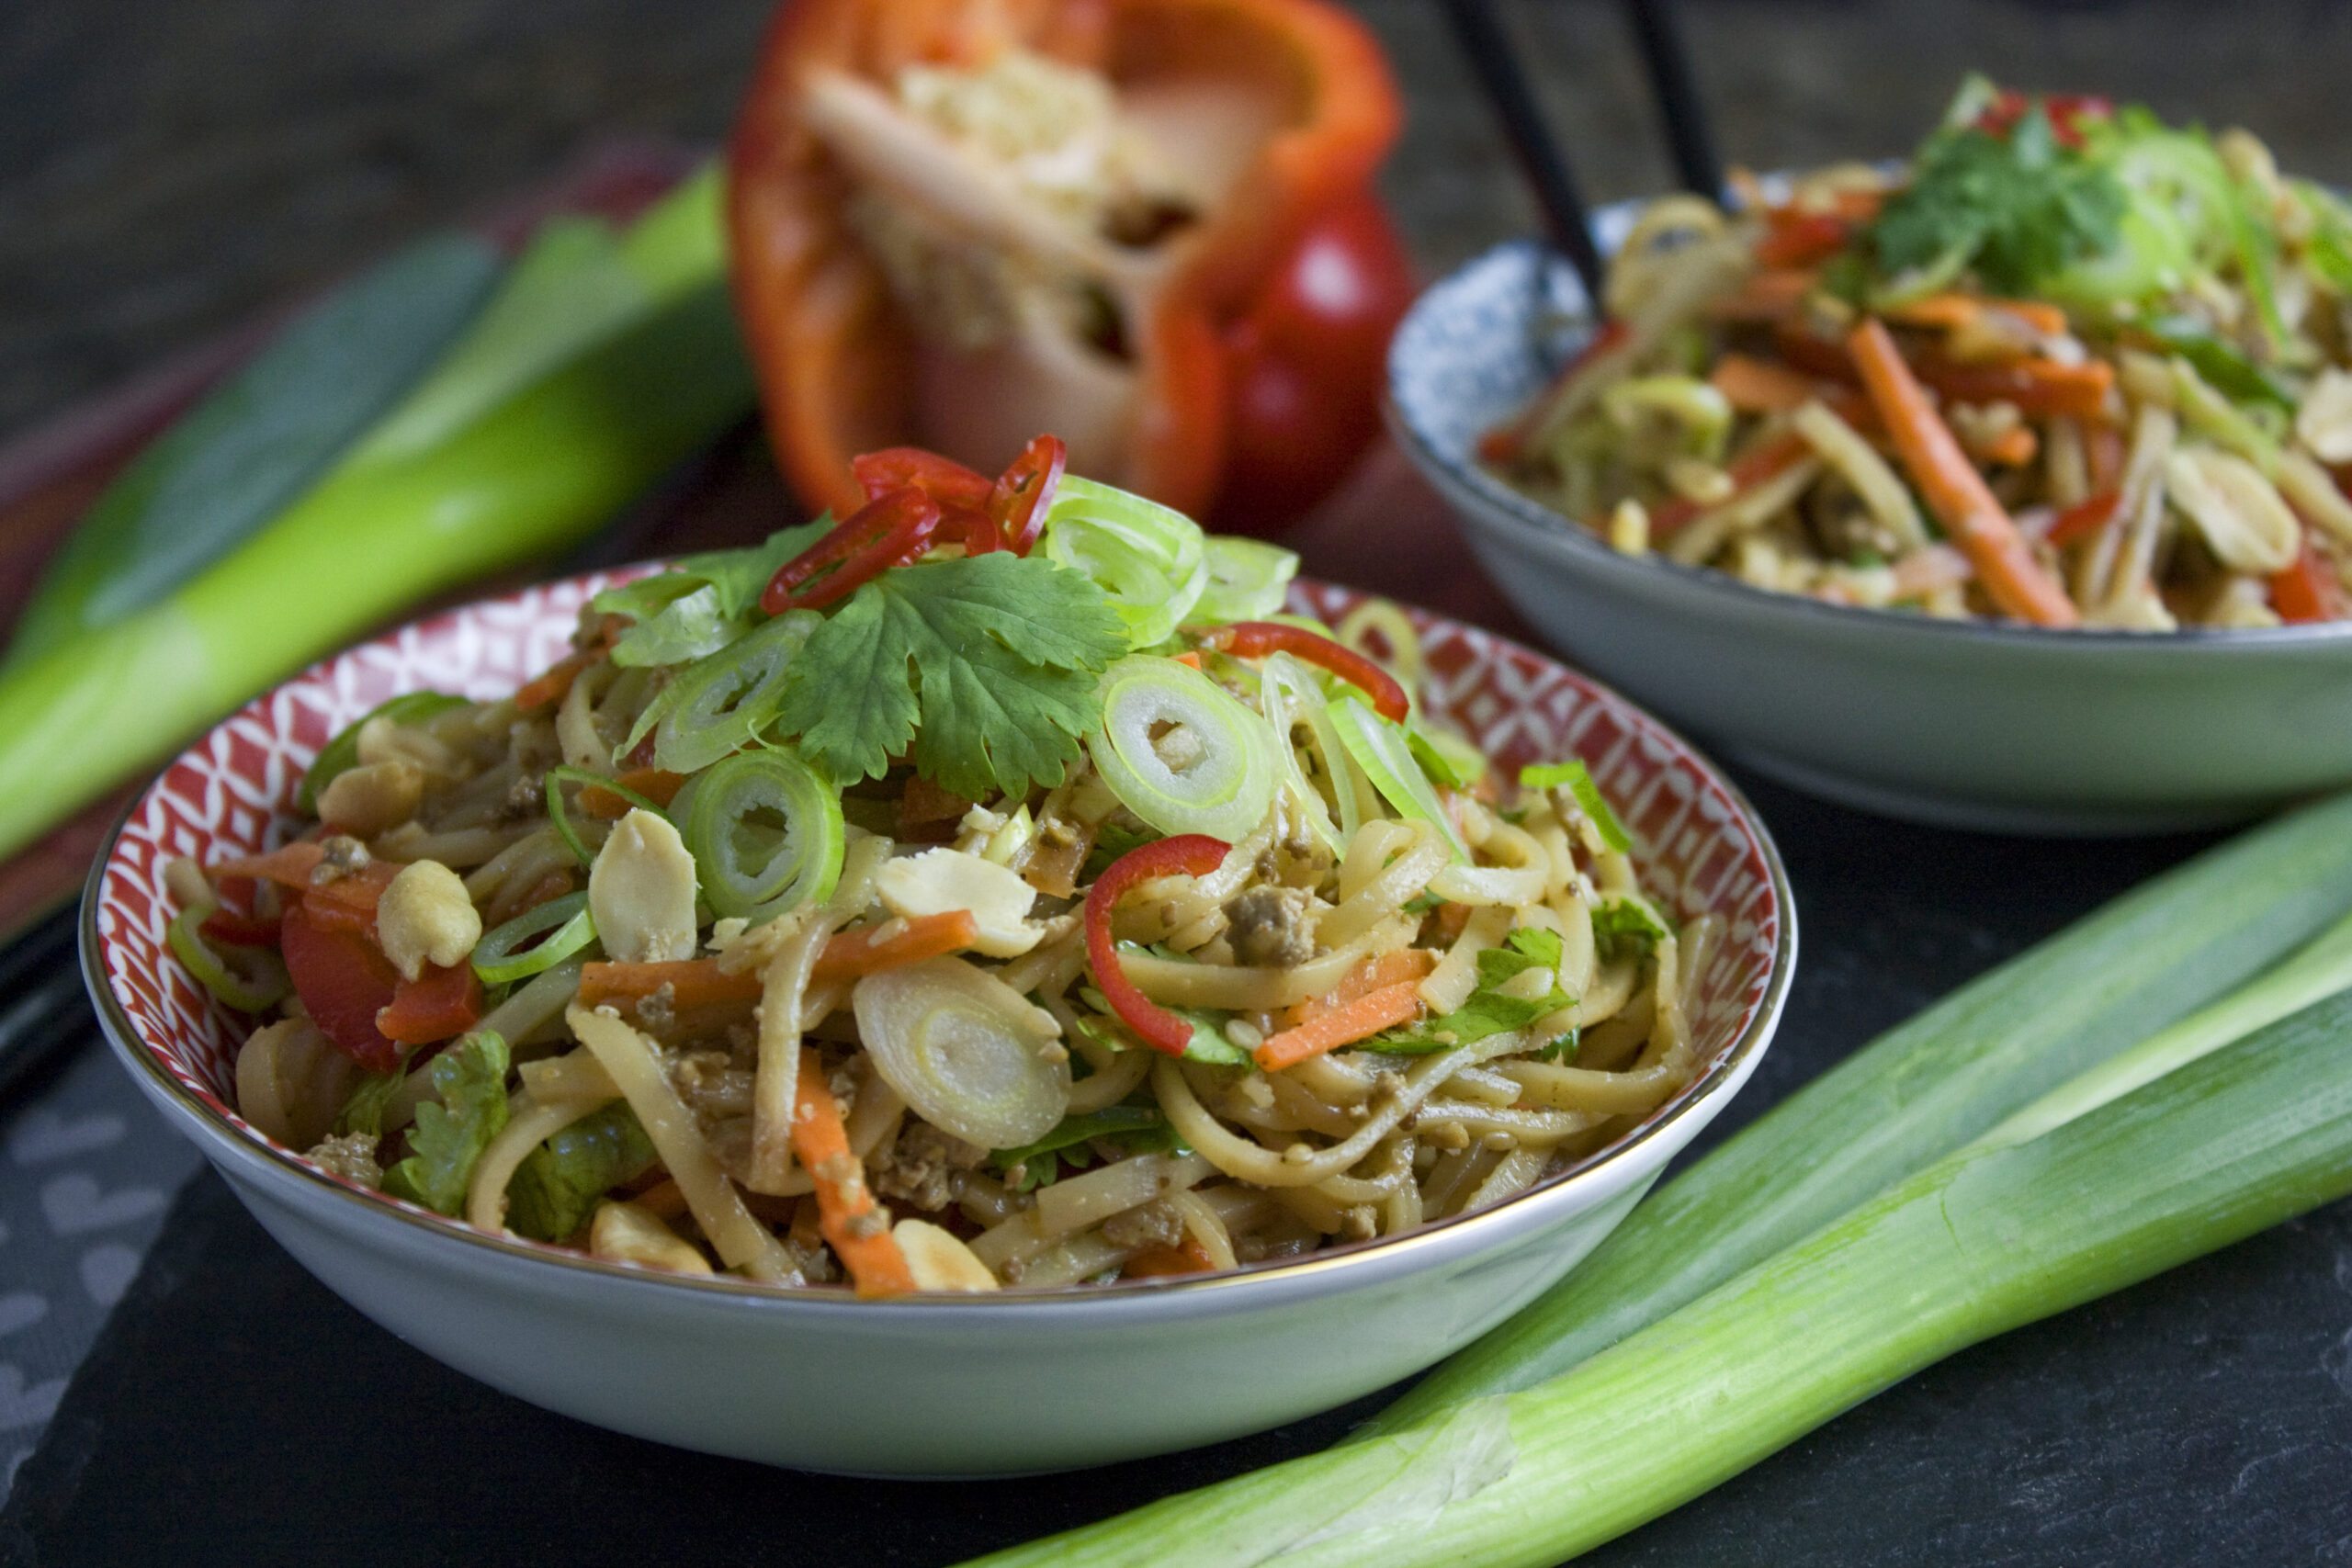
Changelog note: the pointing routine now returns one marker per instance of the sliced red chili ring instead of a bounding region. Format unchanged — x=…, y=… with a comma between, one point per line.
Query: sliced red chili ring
x=1254, y=640
x=976, y=531
x=1023, y=494
x=894, y=529
x=1195, y=854
x=943, y=480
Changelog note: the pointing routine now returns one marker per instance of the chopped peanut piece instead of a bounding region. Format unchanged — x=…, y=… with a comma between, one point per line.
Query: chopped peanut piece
x=368, y=799
x=642, y=892
x=629, y=1232
x=939, y=1262
x=426, y=915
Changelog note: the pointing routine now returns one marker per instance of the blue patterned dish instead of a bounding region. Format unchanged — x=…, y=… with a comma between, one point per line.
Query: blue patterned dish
x=1978, y=724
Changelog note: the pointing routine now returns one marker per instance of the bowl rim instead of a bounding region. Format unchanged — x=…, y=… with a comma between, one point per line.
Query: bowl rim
x=1470, y=1234
x=1555, y=531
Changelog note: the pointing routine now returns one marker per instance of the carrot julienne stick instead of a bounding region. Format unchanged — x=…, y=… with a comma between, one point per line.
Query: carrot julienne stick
x=1367, y=1015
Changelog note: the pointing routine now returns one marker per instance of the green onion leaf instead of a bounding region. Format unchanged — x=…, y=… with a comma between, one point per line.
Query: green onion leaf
x=765, y=831
x=342, y=753
x=501, y=954
x=1381, y=749
x=1248, y=581
x=721, y=703
x=1181, y=753
x=1151, y=562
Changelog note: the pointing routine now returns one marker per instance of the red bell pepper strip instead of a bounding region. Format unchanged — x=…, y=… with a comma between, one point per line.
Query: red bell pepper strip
x=1196, y=854
x=841, y=363
x=893, y=530
x=440, y=1004
x=345, y=981
x=1255, y=639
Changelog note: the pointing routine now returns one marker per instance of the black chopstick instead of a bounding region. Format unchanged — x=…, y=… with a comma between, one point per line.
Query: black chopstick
x=1676, y=93
x=1496, y=65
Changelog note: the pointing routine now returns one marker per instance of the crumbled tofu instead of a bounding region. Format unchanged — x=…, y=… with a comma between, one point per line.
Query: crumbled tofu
x=367, y=799
x=938, y=881
x=425, y=916
x=939, y=1262
x=629, y=1232
x=642, y=892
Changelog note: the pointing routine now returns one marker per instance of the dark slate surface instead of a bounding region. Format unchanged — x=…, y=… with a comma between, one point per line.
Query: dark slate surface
x=236, y=1413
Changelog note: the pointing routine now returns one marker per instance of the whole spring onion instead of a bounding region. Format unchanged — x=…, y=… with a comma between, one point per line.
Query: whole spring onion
x=2141, y=962
x=501, y=954
x=259, y=439
x=723, y=700
x=765, y=831
x=1134, y=549
x=519, y=467
x=1992, y=1238
x=1385, y=755
x=1179, y=752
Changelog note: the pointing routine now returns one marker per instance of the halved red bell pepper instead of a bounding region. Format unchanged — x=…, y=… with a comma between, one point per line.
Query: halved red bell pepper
x=1251, y=357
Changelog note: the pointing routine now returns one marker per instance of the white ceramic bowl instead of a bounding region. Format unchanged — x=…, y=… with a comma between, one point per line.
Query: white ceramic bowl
x=1974, y=724
x=1028, y=1381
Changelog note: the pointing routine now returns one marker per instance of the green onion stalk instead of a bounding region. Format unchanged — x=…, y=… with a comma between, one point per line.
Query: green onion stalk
x=600, y=361
x=1992, y=1238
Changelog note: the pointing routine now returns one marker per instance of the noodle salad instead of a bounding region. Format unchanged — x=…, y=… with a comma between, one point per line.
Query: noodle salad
x=2069, y=367
x=994, y=888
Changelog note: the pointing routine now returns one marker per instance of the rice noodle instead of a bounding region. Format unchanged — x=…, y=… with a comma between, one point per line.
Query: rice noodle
x=528, y=1126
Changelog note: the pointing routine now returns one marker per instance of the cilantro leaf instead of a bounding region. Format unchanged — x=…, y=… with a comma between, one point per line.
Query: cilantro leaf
x=1488, y=1011
x=1625, y=924
x=2016, y=208
x=995, y=657
x=704, y=603
x=556, y=1188
x=448, y=1137
x=1133, y=1129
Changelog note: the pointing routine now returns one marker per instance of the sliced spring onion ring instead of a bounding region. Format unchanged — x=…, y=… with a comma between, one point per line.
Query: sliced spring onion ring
x=719, y=704
x=1304, y=699
x=964, y=1051
x=1179, y=752
x=501, y=956
x=765, y=831
x=342, y=753
x=1248, y=579
x=248, y=978
x=1151, y=560
x=1282, y=716
x=1381, y=749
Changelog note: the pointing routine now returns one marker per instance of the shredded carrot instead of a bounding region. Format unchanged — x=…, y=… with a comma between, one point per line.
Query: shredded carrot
x=1759, y=463
x=1951, y=311
x=1955, y=491
x=1367, y=1015
x=857, y=1229
x=2038, y=387
x=656, y=785
x=1767, y=295
x=894, y=941
x=551, y=684
x=2308, y=590
x=1391, y=969
x=1758, y=386
x=2014, y=447
x=1189, y=658
x=693, y=982
x=440, y=1004
x=289, y=865
x=1187, y=1257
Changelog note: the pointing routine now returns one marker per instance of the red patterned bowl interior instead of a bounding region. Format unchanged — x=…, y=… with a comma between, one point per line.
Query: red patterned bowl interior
x=231, y=794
